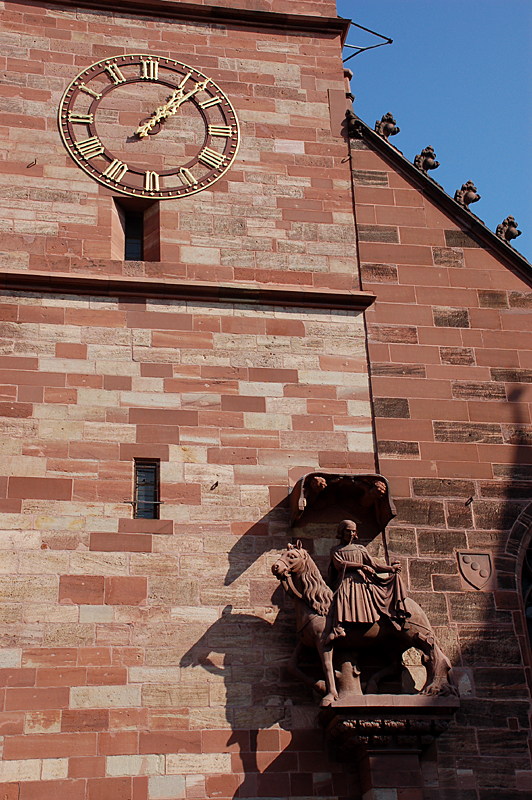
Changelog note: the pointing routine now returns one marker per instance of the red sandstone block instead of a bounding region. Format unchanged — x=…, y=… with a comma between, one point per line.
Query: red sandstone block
x=9, y=791
x=203, y=386
x=32, y=378
x=327, y=407
x=243, y=403
x=412, y=387
x=88, y=767
x=140, y=788
x=61, y=676
x=222, y=785
x=49, y=316
x=36, y=699
x=119, y=382
x=446, y=451
x=106, y=676
x=312, y=423
x=116, y=743
x=214, y=419
x=40, y=488
x=160, y=526
x=311, y=391
x=95, y=318
x=109, y=788
x=18, y=362
x=400, y=215
x=81, y=589
x=129, y=591
x=156, y=370
x=50, y=657
x=87, y=381
x=19, y=410
x=231, y=455
x=121, y=542
x=94, y=656
x=243, y=325
x=170, y=742
x=159, y=321
x=162, y=416
x=282, y=327
x=71, y=350
x=185, y=340
x=128, y=452
x=53, y=790
x=372, y=195
x=11, y=724
x=55, y=394
x=185, y=493
x=50, y=745
x=158, y=434
x=223, y=741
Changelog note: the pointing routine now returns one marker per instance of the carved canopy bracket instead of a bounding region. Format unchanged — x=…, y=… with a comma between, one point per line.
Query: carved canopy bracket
x=330, y=498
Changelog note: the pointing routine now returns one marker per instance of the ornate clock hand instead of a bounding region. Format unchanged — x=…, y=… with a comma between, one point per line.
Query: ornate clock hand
x=170, y=108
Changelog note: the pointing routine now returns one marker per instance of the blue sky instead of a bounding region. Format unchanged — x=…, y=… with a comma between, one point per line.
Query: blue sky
x=457, y=77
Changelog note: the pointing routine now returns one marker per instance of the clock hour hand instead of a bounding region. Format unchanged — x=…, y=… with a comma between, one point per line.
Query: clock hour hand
x=169, y=109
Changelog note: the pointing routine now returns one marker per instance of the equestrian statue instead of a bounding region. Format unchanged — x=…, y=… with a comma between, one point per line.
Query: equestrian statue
x=363, y=605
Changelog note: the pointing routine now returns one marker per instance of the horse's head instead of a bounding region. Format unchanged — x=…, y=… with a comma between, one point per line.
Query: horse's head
x=291, y=561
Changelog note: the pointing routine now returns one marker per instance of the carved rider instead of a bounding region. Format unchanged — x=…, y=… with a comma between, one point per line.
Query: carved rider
x=362, y=593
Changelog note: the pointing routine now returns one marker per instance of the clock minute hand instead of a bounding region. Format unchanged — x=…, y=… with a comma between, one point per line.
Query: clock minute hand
x=170, y=108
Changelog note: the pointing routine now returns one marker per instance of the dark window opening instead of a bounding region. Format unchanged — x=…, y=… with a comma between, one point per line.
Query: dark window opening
x=134, y=237
x=146, y=501
x=527, y=591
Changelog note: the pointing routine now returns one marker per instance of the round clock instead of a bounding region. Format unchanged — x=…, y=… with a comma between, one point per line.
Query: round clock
x=148, y=126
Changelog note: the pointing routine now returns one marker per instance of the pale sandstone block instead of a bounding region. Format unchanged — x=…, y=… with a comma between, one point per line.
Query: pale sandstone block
x=24, y=466
x=241, y=342
x=171, y=472
x=209, y=473
x=152, y=400
x=166, y=787
x=68, y=635
x=153, y=675
x=361, y=442
x=8, y=562
x=40, y=613
x=70, y=365
x=43, y=562
x=18, y=588
x=10, y=658
x=166, y=306
x=48, y=721
x=202, y=763
x=54, y=769
x=200, y=616
x=200, y=400
x=27, y=770
x=10, y=447
x=215, y=718
x=59, y=523
x=83, y=563
x=195, y=787
x=286, y=405
x=104, y=696
x=110, y=432
x=60, y=430
x=19, y=428
x=150, y=764
x=171, y=696
x=256, y=389
x=238, y=694
x=153, y=564
x=98, y=397
x=200, y=437
x=269, y=422
x=96, y=613
x=140, y=384
x=200, y=255
x=256, y=717
x=222, y=513
x=359, y=408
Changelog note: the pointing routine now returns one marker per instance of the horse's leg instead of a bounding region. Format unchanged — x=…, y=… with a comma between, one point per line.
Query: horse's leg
x=326, y=656
x=294, y=670
x=349, y=675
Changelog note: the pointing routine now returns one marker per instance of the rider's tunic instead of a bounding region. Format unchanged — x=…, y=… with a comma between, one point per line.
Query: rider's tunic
x=362, y=599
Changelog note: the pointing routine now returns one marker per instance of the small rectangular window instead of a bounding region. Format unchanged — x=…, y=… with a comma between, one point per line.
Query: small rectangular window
x=134, y=237
x=146, y=501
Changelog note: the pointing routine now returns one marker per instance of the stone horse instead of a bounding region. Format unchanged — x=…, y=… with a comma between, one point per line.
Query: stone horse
x=303, y=581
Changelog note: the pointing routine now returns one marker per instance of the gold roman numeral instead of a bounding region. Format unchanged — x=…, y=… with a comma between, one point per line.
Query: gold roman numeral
x=149, y=70
x=187, y=177
x=220, y=130
x=212, y=101
x=211, y=158
x=151, y=182
x=115, y=74
x=90, y=147
x=83, y=119
x=116, y=170
x=88, y=90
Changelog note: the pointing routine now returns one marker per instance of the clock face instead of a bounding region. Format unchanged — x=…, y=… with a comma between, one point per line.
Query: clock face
x=149, y=126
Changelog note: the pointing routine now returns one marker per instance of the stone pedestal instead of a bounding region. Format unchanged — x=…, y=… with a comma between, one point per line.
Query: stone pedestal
x=385, y=735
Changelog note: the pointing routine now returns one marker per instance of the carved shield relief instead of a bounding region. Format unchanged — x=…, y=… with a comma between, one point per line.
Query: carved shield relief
x=476, y=570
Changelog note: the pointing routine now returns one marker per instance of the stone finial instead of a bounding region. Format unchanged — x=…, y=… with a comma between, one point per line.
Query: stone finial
x=507, y=230
x=426, y=160
x=386, y=126
x=354, y=125
x=467, y=194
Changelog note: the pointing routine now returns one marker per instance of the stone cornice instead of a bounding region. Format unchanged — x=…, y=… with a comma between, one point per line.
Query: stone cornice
x=139, y=288
x=468, y=221
x=170, y=9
